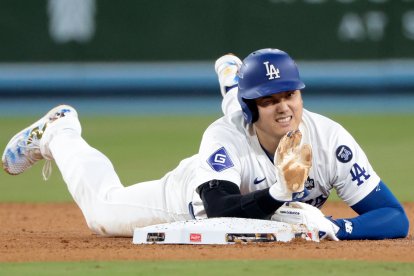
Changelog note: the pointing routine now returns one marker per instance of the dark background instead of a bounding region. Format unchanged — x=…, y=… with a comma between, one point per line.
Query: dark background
x=149, y=47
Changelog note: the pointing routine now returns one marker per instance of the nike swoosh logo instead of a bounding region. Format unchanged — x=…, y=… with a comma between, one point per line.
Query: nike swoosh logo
x=257, y=181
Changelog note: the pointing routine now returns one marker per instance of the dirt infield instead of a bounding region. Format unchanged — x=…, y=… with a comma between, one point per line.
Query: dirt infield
x=57, y=232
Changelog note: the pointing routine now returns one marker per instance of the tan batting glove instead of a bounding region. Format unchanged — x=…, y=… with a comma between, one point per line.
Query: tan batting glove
x=292, y=162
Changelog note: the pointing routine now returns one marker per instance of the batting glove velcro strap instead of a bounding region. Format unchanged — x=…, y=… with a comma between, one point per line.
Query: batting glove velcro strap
x=302, y=213
x=293, y=162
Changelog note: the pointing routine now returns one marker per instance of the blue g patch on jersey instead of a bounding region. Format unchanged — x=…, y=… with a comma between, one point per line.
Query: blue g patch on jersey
x=344, y=154
x=220, y=160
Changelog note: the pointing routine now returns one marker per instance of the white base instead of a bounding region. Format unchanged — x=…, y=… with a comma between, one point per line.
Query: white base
x=223, y=231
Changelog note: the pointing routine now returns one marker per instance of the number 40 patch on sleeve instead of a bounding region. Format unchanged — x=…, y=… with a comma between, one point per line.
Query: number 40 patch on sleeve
x=358, y=173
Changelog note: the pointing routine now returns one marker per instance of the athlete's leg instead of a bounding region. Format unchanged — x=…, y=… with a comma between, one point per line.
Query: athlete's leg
x=108, y=207
x=230, y=102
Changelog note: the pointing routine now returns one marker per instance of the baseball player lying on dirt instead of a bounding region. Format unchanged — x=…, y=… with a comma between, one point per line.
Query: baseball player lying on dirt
x=265, y=151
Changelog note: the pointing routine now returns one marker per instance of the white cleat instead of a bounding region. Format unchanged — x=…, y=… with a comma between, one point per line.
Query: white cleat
x=227, y=68
x=23, y=150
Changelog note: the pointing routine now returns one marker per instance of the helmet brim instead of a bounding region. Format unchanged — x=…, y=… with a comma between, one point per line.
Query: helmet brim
x=271, y=88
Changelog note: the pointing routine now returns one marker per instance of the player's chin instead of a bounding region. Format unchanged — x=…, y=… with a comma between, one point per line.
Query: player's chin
x=283, y=131
x=283, y=128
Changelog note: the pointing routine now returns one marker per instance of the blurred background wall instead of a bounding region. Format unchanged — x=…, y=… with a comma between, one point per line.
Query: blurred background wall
x=159, y=47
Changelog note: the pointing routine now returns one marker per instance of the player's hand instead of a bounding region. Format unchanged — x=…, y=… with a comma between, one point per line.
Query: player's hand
x=302, y=213
x=292, y=162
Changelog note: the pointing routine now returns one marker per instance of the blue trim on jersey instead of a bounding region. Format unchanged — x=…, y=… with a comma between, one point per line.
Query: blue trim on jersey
x=270, y=156
x=381, y=216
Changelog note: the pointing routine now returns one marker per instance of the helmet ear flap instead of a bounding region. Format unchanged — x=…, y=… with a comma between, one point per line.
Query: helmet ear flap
x=251, y=104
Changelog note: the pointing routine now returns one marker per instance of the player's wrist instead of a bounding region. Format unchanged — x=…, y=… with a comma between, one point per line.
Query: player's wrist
x=344, y=228
x=335, y=224
x=283, y=195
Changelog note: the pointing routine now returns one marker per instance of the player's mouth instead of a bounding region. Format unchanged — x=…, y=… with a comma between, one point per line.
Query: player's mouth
x=284, y=120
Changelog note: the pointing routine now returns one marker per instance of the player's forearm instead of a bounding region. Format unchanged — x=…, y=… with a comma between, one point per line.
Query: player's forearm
x=381, y=216
x=383, y=223
x=223, y=199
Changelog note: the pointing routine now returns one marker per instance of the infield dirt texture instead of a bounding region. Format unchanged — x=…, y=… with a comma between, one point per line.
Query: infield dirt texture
x=57, y=232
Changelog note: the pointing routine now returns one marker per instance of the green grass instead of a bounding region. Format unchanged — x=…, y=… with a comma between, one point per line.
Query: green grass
x=239, y=268
x=145, y=148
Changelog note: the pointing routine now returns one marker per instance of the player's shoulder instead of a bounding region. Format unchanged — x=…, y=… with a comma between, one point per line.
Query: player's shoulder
x=224, y=138
x=227, y=130
x=318, y=121
x=322, y=129
x=229, y=124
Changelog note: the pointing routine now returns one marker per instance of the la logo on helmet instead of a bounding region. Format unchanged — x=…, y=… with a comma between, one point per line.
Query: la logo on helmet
x=272, y=72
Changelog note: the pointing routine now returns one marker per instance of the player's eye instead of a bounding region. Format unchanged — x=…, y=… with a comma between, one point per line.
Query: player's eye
x=291, y=94
x=265, y=102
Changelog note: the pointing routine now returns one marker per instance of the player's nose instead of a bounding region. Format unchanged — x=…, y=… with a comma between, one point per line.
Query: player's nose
x=282, y=106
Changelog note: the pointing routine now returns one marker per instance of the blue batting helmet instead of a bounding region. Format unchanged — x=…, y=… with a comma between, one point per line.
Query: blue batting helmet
x=263, y=73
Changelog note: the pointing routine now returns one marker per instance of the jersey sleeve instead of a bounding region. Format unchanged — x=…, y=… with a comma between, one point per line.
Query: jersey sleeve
x=219, y=156
x=381, y=216
x=352, y=175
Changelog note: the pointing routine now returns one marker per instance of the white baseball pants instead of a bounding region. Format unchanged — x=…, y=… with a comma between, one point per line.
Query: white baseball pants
x=108, y=207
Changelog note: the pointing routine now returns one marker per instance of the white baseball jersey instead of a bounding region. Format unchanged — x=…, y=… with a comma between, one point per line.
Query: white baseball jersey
x=230, y=151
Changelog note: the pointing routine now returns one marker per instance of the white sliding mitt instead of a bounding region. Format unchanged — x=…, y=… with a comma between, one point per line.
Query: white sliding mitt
x=302, y=213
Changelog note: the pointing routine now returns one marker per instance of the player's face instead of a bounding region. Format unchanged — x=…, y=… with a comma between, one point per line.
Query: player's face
x=278, y=114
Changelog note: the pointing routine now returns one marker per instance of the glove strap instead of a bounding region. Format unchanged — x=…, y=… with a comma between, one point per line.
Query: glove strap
x=300, y=195
x=287, y=196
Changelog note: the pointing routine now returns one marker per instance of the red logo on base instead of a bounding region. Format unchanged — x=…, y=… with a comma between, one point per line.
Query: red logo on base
x=195, y=237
